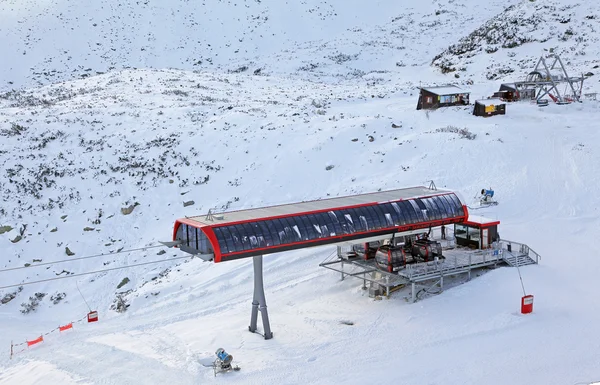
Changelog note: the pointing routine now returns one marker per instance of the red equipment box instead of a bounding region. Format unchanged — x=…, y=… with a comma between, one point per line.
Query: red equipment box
x=527, y=304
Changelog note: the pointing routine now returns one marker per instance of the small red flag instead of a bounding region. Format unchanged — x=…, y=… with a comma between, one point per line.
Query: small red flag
x=36, y=341
x=66, y=327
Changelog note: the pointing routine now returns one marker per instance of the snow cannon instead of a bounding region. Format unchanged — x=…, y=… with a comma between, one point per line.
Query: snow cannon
x=224, y=357
x=487, y=193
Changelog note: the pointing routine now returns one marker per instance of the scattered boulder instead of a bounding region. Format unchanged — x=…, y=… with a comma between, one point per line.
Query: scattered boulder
x=371, y=138
x=88, y=229
x=396, y=125
x=188, y=203
x=17, y=239
x=56, y=298
x=69, y=252
x=5, y=229
x=127, y=210
x=54, y=230
x=161, y=252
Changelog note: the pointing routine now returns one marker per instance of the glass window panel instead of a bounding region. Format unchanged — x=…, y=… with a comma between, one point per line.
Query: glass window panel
x=437, y=203
x=448, y=205
x=249, y=235
x=316, y=226
x=204, y=244
x=408, y=212
x=273, y=230
x=356, y=222
x=419, y=203
x=345, y=221
x=416, y=210
x=290, y=233
x=300, y=228
x=380, y=215
x=222, y=239
x=279, y=228
x=397, y=214
x=258, y=234
x=460, y=231
x=444, y=206
x=186, y=236
x=335, y=220
x=326, y=224
x=432, y=211
x=363, y=218
x=372, y=217
x=265, y=233
x=457, y=205
x=404, y=216
x=309, y=230
x=389, y=210
x=236, y=236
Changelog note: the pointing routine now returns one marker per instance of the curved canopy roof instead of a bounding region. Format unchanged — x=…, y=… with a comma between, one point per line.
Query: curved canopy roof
x=246, y=233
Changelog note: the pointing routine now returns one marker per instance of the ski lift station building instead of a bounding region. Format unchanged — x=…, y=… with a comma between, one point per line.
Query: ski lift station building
x=365, y=220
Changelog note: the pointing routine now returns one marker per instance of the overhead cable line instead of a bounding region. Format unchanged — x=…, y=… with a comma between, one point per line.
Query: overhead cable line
x=80, y=258
x=93, y=272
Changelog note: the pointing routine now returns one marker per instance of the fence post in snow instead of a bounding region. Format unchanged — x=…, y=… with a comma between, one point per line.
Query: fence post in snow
x=11, y=349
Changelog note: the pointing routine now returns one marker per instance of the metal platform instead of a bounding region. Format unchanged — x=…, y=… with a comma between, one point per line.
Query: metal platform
x=458, y=260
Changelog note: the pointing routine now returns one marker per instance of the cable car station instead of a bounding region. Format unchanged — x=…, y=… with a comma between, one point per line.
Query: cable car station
x=389, y=238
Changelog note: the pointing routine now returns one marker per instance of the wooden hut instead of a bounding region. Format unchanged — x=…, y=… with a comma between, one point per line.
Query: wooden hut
x=489, y=107
x=444, y=96
x=510, y=93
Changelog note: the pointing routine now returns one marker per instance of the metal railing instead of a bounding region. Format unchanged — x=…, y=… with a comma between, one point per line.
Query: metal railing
x=519, y=249
x=453, y=264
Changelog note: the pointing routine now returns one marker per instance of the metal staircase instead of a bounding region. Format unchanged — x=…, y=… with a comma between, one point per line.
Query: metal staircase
x=518, y=254
x=518, y=260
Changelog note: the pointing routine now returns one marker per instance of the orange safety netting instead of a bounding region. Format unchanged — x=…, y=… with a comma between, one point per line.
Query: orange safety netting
x=66, y=327
x=36, y=341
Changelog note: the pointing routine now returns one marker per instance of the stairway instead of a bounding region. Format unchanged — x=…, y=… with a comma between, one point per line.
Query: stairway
x=518, y=260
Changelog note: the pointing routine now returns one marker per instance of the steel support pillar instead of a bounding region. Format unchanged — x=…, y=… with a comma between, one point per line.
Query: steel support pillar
x=259, y=303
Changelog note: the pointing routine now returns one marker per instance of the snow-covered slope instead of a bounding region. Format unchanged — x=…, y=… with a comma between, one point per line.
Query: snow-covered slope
x=329, y=113
x=56, y=40
x=509, y=45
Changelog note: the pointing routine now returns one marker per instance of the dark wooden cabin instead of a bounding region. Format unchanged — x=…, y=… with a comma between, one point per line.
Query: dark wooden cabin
x=489, y=107
x=509, y=93
x=444, y=96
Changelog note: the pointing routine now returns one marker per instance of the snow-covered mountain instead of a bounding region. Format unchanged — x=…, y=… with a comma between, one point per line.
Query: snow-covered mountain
x=117, y=118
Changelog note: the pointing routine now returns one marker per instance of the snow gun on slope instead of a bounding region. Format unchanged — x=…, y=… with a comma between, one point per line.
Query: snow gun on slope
x=223, y=362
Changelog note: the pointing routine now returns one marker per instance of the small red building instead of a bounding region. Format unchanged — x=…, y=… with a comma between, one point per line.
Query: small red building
x=477, y=232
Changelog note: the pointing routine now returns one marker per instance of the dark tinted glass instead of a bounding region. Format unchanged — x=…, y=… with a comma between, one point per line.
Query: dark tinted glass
x=448, y=205
x=309, y=230
x=371, y=216
x=222, y=239
x=437, y=205
x=356, y=223
x=391, y=213
x=264, y=230
x=432, y=211
x=458, y=210
x=335, y=221
x=417, y=210
x=408, y=211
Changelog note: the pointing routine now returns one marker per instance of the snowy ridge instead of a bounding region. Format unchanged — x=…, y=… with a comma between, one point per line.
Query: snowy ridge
x=510, y=43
